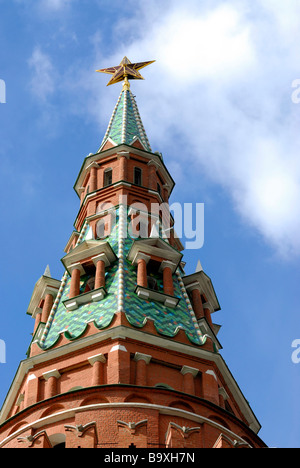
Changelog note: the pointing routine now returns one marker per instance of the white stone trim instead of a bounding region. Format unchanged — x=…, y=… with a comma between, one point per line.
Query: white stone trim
x=97, y=358
x=52, y=373
x=223, y=393
x=76, y=266
x=142, y=357
x=139, y=335
x=101, y=257
x=141, y=256
x=166, y=410
x=118, y=348
x=211, y=372
x=189, y=370
x=167, y=264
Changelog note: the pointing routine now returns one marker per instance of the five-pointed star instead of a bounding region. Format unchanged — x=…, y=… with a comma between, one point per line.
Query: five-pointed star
x=126, y=69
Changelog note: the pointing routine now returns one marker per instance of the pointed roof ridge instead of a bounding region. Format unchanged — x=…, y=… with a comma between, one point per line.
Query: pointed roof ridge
x=125, y=125
x=198, y=267
x=47, y=272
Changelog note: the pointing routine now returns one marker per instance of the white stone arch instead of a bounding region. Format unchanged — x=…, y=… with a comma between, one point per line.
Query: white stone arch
x=57, y=440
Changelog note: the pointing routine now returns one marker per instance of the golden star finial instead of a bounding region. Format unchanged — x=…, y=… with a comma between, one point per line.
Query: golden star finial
x=125, y=71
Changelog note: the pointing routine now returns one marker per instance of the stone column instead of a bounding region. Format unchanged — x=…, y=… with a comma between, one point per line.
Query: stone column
x=101, y=261
x=81, y=191
x=210, y=388
x=197, y=303
x=152, y=175
x=189, y=374
x=168, y=268
x=51, y=378
x=141, y=261
x=123, y=156
x=118, y=366
x=142, y=360
x=48, y=303
x=98, y=369
x=31, y=390
x=93, y=178
x=76, y=270
x=37, y=321
x=207, y=313
x=222, y=397
x=100, y=175
x=166, y=192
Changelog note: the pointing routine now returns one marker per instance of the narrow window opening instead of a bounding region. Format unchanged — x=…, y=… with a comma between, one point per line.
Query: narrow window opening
x=107, y=177
x=153, y=275
x=87, y=281
x=137, y=176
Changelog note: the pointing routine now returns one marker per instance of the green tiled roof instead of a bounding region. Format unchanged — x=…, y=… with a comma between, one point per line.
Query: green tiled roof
x=167, y=321
x=125, y=125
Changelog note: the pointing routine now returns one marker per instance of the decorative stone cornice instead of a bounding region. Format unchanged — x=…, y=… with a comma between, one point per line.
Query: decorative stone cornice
x=189, y=370
x=52, y=373
x=114, y=333
x=142, y=357
x=97, y=358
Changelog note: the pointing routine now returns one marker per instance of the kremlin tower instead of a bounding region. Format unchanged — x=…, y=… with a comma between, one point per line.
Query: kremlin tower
x=124, y=352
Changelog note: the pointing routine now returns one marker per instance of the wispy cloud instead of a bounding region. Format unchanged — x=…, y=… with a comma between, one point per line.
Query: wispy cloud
x=222, y=96
x=43, y=74
x=46, y=5
x=55, y=5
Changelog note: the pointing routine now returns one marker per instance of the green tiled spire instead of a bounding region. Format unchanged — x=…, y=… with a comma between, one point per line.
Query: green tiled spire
x=125, y=125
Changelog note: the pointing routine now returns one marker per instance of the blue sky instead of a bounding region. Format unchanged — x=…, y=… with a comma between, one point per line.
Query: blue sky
x=218, y=104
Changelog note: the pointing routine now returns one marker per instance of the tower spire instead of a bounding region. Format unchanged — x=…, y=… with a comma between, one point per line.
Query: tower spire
x=125, y=125
x=124, y=344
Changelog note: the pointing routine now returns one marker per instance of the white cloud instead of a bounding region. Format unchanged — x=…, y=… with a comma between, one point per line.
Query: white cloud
x=46, y=5
x=43, y=74
x=55, y=5
x=221, y=94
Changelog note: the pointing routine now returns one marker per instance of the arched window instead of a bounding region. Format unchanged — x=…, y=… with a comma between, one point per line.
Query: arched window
x=100, y=229
x=107, y=177
x=137, y=176
x=58, y=440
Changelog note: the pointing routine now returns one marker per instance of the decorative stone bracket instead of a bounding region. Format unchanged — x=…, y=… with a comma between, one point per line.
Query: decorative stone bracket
x=91, y=296
x=152, y=295
x=79, y=429
x=131, y=426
